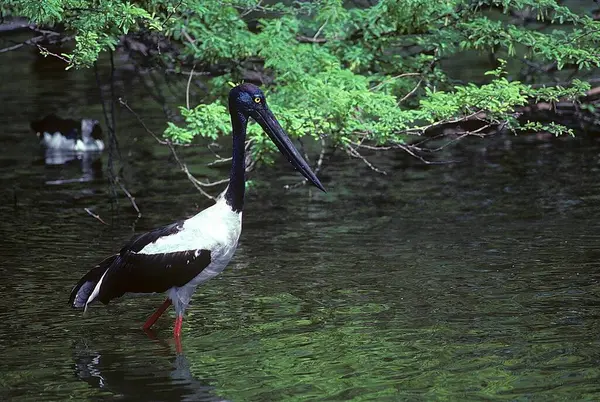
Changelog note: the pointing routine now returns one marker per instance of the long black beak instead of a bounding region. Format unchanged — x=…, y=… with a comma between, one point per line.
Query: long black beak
x=269, y=123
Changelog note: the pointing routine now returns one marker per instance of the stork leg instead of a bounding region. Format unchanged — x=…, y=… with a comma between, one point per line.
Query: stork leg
x=177, y=327
x=154, y=317
x=177, y=334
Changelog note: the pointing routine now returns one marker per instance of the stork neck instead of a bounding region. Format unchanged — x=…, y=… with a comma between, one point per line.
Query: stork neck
x=237, y=176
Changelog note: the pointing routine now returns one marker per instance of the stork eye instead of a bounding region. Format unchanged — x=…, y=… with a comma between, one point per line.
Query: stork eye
x=257, y=100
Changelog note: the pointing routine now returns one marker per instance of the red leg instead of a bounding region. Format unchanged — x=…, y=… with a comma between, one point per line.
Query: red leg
x=150, y=322
x=178, y=348
x=177, y=328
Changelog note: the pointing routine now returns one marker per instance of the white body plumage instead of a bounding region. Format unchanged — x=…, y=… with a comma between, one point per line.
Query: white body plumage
x=216, y=229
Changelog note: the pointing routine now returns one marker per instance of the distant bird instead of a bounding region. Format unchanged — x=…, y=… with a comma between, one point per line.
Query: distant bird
x=59, y=134
x=178, y=257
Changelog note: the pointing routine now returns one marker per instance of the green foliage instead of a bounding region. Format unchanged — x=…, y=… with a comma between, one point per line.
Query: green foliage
x=345, y=87
x=551, y=128
x=348, y=73
x=97, y=25
x=208, y=121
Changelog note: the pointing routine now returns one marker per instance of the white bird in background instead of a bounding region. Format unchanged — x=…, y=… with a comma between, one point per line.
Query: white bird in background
x=58, y=134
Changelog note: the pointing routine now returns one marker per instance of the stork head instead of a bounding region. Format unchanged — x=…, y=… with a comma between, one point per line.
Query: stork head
x=249, y=101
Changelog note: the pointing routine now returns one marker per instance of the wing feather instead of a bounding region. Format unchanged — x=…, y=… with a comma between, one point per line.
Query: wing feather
x=133, y=272
x=151, y=273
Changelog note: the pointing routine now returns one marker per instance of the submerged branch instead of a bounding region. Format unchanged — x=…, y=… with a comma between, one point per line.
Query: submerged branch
x=94, y=215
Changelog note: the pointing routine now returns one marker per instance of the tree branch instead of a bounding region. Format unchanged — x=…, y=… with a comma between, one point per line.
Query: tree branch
x=355, y=154
x=197, y=183
x=187, y=89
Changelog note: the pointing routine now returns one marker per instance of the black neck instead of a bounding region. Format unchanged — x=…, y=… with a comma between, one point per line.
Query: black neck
x=237, y=177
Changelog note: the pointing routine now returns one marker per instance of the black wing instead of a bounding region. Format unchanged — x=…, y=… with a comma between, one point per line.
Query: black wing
x=131, y=272
x=151, y=273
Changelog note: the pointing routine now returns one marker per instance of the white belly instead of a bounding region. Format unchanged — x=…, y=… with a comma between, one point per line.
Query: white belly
x=217, y=229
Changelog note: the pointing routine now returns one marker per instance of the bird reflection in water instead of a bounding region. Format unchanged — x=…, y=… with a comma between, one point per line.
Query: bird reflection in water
x=63, y=165
x=153, y=377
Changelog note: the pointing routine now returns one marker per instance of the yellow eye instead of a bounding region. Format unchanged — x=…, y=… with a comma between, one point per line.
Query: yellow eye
x=257, y=100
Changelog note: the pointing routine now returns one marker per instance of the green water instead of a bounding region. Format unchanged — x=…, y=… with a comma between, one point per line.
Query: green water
x=472, y=281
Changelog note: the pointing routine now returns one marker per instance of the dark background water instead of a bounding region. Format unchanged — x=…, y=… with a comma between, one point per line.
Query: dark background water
x=467, y=281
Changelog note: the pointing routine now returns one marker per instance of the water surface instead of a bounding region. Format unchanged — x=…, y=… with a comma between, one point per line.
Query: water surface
x=469, y=281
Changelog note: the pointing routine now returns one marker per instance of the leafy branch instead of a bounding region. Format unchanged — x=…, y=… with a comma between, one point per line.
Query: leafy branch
x=360, y=78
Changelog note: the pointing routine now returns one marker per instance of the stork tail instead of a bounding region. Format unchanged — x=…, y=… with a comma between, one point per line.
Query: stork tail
x=84, y=288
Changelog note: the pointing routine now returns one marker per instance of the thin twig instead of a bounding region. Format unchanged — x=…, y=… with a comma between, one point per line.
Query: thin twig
x=304, y=39
x=94, y=215
x=219, y=161
x=405, y=97
x=172, y=70
x=213, y=183
x=411, y=153
x=43, y=31
x=46, y=52
x=187, y=89
x=197, y=183
x=168, y=17
x=111, y=133
x=355, y=154
x=188, y=37
x=372, y=147
x=422, y=129
x=321, y=156
x=128, y=194
x=412, y=149
x=303, y=151
x=35, y=40
x=19, y=45
x=258, y=6
x=320, y=30
x=393, y=79
x=407, y=149
x=462, y=135
x=113, y=116
x=139, y=119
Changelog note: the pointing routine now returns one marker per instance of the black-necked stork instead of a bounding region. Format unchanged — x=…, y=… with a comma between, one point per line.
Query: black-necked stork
x=178, y=257
x=59, y=134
